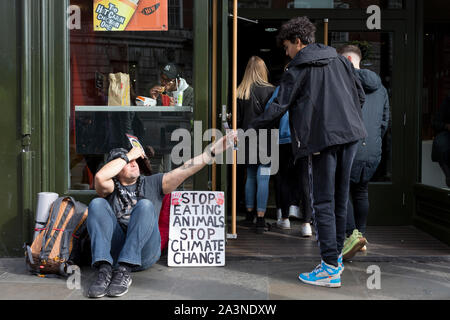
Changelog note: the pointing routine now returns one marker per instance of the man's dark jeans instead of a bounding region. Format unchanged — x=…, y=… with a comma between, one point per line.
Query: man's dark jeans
x=140, y=245
x=358, y=207
x=329, y=176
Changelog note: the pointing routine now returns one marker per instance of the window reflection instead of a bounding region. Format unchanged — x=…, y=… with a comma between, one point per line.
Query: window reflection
x=98, y=122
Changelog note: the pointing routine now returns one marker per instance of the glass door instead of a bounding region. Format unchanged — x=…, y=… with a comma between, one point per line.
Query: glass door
x=383, y=52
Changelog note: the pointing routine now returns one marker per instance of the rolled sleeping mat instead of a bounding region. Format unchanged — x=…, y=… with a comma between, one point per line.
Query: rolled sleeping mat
x=44, y=202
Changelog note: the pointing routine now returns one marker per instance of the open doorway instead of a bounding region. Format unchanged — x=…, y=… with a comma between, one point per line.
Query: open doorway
x=257, y=38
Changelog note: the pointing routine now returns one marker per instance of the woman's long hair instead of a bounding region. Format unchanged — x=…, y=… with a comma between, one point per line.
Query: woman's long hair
x=255, y=73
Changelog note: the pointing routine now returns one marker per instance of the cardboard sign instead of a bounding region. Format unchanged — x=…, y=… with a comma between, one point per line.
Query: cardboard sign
x=197, y=229
x=130, y=15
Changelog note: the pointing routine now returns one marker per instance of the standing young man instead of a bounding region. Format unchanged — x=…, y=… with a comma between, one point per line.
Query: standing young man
x=324, y=100
x=376, y=119
x=123, y=222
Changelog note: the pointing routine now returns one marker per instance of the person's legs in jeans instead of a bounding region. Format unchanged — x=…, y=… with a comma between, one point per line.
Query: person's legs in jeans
x=322, y=168
x=104, y=231
x=329, y=174
x=262, y=194
x=345, y=155
x=109, y=243
x=284, y=180
x=360, y=200
x=136, y=249
x=304, y=189
x=250, y=187
x=357, y=211
x=357, y=174
x=322, y=174
x=350, y=213
x=142, y=246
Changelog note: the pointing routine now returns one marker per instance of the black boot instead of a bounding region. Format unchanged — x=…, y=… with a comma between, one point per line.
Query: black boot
x=249, y=217
x=260, y=225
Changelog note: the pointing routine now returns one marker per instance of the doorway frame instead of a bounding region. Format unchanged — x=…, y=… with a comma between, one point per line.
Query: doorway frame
x=397, y=205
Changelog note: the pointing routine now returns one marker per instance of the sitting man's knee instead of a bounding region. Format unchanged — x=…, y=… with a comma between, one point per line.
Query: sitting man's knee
x=97, y=207
x=146, y=208
x=146, y=204
x=97, y=202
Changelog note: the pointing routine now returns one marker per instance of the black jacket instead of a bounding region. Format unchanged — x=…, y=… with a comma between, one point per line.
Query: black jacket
x=249, y=110
x=324, y=99
x=442, y=116
x=376, y=120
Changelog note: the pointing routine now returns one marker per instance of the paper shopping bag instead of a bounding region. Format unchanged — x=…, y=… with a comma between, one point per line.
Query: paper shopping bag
x=119, y=89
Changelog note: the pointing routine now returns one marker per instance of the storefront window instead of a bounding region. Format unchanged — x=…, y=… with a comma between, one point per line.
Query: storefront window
x=130, y=59
x=319, y=4
x=436, y=107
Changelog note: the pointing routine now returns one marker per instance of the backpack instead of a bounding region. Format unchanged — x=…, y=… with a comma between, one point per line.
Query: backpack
x=60, y=246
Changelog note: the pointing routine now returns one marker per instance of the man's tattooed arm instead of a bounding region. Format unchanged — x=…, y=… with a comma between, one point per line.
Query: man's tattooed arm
x=174, y=178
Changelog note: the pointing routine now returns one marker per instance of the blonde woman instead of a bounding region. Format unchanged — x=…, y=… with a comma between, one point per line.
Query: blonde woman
x=252, y=95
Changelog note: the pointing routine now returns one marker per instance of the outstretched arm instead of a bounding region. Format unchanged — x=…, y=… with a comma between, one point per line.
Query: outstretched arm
x=174, y=178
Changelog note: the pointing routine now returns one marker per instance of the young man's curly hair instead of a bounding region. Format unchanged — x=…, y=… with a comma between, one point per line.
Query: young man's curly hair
x=299, y=27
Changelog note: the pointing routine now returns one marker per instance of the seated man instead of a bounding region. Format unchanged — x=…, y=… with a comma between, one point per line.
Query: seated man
x=123, y=223
x=172, y=83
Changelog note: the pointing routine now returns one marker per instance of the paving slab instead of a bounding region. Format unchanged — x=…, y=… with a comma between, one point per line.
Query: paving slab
x=260, y=274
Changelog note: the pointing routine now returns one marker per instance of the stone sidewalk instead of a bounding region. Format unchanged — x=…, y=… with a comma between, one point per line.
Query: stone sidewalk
x=243, y=280
x=266, y=273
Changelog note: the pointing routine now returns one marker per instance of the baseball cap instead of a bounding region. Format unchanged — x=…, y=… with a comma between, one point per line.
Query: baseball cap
x=171, y=71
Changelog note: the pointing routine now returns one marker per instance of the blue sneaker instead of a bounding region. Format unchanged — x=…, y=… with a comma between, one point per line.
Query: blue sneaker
x=341, y=263
x=324, y=275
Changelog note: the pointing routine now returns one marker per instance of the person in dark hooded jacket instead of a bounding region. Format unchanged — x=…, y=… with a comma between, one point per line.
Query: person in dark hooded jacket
x=324, y=100
x=368, y=156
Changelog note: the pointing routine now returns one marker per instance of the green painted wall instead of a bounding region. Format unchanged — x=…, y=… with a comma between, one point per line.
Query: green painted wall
x=34, y=90
x=10, y=140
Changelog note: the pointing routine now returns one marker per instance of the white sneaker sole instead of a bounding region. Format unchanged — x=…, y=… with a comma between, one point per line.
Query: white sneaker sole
x=320, y=283
x=354, y=250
